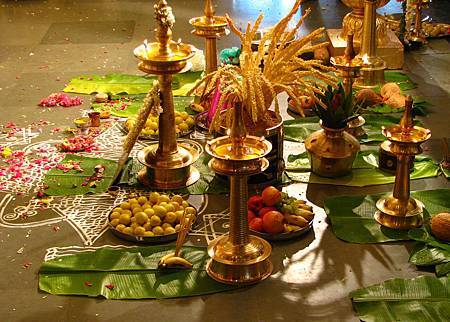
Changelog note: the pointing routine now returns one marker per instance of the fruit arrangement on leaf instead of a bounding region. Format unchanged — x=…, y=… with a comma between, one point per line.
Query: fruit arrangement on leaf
x=274, y=212
x=151, y=215
x=183, y=123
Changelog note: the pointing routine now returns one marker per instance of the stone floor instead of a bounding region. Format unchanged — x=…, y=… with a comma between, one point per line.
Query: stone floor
x=45, y=43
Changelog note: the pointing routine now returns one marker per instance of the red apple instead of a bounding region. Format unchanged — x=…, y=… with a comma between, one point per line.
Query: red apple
x=273, y=222
x=257, y=224
x=271, y=196
x=265, y=210
x=250, y=215
x=255, y=203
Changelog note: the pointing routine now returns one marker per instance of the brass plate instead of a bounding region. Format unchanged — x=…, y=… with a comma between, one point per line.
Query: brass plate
x=283, y=236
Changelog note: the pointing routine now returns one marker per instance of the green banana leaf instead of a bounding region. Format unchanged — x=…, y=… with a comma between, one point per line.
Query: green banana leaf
x=420, y=108
x=126, y=106
x=403, y=81
x=130, y=273
x=424, y=255
x=128, y=84
x=423, y=235
x=352, y=219
x=208, y=183
x=425, y=298
x=299, y=129
x=62, y=183
x=367, y=159
x=442, y=269
x=364, y=173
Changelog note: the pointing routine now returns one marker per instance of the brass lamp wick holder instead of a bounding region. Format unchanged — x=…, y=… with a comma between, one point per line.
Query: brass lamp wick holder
x=399, y=210
x=238, y=258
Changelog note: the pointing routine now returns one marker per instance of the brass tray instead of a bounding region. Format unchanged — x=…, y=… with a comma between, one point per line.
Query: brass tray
x=283, y=236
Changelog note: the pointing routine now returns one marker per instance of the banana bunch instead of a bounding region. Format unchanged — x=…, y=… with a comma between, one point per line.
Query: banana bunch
x=170, y=261
x=296, y=212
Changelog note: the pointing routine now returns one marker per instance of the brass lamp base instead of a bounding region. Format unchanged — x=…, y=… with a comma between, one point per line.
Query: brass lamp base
x=170, y=171
x=389, y=213
x=231, y=264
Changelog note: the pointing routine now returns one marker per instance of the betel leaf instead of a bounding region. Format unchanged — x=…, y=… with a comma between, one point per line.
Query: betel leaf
x=352, y=216
x=128, y=84
x=128, y=273
x=62, y=183
x=425, y=298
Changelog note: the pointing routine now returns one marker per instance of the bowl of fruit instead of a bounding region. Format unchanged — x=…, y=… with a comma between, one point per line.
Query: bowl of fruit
x=150, y=218
x=274, y=215
x=184, y=125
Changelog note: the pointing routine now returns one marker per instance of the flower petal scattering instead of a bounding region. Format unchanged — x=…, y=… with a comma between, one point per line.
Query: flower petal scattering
x=60, y=99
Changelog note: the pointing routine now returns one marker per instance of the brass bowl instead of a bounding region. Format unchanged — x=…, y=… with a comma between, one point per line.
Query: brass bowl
x=205, y=28
x=153, y=63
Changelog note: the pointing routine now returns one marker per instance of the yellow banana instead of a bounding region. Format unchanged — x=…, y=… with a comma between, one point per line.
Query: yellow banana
x=308, y=215
x=177, y=261
x=297, y=220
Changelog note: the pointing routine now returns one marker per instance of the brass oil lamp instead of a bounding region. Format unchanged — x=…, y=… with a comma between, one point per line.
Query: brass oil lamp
x=417, y=34
x=168, y=163
x=399, y=211
x=372, y=71
x=238, y=257
x=210, y=27
x=348, y=68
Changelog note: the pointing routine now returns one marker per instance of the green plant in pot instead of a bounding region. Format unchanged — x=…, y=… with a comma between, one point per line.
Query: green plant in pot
x=332, y=150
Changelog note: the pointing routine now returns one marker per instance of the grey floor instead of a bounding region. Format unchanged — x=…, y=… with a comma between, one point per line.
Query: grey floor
x=45, y=43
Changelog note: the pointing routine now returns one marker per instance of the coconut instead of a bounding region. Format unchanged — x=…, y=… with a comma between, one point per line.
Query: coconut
x=440, y=226
x=367, y=97
x=396, y=101
x=389, y=90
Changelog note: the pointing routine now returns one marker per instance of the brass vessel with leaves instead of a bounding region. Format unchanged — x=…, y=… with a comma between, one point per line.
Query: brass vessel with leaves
x=332, y=150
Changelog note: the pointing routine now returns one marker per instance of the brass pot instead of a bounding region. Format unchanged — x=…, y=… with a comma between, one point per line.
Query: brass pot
x=331, y=152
